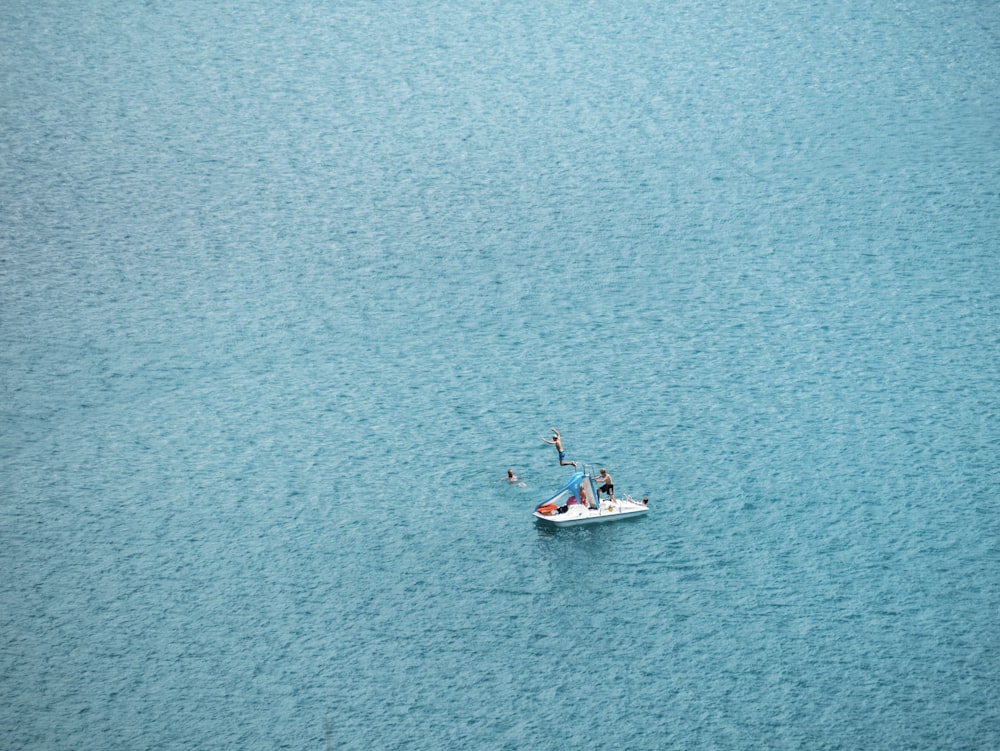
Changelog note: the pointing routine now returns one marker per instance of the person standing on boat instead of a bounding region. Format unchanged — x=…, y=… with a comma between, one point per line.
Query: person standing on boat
x=608, y=486
x=557, y=442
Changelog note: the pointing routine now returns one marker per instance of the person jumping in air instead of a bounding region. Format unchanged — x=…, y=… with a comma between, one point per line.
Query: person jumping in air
x=557, y=442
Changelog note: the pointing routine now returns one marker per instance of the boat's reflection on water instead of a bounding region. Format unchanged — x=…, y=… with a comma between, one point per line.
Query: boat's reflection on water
x=583, y=531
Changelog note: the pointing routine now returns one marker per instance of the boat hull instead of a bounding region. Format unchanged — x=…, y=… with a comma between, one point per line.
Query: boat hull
x=608, y=512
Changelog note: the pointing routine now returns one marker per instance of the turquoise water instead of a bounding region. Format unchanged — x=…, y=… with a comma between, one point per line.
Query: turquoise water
x=285, y=288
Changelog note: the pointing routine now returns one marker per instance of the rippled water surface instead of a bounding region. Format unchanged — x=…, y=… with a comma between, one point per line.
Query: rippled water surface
x=286, y=288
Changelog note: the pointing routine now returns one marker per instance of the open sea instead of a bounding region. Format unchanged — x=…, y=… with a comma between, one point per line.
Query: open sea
x=286, y=288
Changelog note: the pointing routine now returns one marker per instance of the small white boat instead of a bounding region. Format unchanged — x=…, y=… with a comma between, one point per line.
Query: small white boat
x=577, y=503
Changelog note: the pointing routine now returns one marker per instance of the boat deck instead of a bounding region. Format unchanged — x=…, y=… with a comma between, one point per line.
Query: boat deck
x=609, y=511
